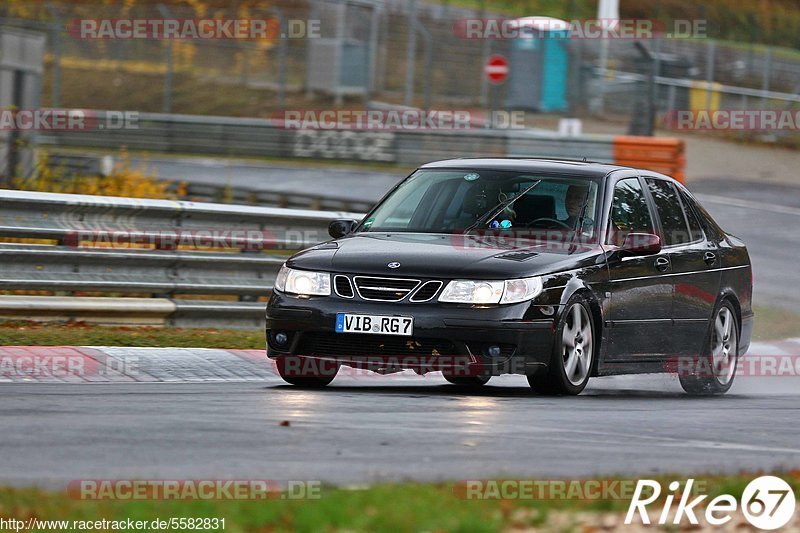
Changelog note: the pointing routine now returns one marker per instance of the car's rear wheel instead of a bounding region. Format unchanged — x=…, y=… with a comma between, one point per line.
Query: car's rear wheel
x=573, y=352
x=713, y=372
x=306, y=372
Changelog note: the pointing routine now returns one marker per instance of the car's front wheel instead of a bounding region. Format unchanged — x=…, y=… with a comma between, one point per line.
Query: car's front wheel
x=573, y=352
x=306, y=372
x=713, y=372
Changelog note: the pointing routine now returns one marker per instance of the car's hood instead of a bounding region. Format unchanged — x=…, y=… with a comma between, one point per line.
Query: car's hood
x=446, y=256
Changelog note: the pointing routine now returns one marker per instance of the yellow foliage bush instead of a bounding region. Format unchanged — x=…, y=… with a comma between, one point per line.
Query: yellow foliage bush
x=124, y=180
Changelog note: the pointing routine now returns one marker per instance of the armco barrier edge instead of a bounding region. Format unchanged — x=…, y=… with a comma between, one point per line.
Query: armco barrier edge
x=192, y=248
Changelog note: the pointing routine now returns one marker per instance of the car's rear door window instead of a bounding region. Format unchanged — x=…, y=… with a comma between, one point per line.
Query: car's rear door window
x=670, y=211
x=629, y=211
x=695, y=226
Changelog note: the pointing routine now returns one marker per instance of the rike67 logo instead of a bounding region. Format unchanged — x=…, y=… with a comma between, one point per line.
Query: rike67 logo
x=768, y=503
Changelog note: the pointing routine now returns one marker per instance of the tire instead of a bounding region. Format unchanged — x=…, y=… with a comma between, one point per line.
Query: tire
x=468, y=381
x=714, y=371
x=573, y=352
x=306, y=372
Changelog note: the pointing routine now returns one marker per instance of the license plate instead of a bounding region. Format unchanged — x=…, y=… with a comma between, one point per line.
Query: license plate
x=375, y=324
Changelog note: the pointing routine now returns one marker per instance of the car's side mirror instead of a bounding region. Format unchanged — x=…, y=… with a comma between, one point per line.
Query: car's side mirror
x=341, y=227
x=637, y=244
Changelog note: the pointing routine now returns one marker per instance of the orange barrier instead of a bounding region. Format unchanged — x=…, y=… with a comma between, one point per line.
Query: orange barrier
x=661, y=154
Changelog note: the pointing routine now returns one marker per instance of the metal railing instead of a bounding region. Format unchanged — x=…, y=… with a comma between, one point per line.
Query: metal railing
x=94, y=245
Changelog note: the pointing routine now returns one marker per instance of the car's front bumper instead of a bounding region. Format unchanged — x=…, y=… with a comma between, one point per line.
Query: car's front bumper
x=451, y=338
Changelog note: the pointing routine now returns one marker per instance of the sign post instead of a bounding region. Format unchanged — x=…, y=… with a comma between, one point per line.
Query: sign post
x=496, y=71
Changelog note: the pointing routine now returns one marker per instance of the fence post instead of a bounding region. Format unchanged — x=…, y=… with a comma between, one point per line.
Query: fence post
x=282, y=54
x=167, y=103
x=486, y=51
x=283, y=33
x=411, y=52
x=341, y=22
x=426, y=35
x=373, y=52
x=55, y=32
x=765, y=75
x=244, y=74
x=382, y=55
x=712, y=48
x=312, y=15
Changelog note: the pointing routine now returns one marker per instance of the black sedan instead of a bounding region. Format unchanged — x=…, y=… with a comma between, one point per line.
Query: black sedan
x=556, y=270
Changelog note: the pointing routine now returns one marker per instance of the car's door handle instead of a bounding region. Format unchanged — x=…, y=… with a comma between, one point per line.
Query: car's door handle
x=710, y=258
x=662, y=264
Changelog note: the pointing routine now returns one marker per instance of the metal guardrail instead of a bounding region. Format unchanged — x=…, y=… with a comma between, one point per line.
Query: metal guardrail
x=161, y=248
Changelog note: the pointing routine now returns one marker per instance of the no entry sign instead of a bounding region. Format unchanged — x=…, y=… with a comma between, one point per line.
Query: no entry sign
x=496, y=69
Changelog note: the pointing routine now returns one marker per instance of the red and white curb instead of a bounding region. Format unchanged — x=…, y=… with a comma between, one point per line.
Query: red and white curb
x=98, y=364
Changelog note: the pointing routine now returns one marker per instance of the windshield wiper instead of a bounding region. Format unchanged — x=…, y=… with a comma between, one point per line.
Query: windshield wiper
x=497, y=209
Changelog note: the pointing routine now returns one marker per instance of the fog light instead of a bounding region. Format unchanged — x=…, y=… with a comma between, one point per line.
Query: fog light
x=493, y=351
x=281, y=338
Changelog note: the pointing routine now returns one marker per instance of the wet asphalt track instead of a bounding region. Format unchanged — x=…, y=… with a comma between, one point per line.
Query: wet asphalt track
x=367, y=430
x=375, y=428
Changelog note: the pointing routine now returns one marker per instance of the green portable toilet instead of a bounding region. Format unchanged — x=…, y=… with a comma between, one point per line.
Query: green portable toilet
x=539, y=65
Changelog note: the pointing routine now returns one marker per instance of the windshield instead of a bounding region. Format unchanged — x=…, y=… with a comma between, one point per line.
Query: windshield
x=457, y=201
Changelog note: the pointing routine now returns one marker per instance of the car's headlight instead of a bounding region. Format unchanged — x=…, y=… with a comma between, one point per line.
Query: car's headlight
x=491, y=292
x=303, y=282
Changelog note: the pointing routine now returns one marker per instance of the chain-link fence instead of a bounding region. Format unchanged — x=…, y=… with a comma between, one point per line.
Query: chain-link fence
x=400, y=51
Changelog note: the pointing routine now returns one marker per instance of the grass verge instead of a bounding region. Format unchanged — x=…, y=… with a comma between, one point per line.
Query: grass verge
x=82, y=334
x=398, y=507
x=773, y=323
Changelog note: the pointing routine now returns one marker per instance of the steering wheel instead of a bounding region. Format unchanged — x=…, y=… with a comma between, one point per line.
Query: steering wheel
x=547, y=219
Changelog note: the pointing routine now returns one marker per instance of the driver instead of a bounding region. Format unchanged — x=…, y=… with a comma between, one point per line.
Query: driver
x=573, y=202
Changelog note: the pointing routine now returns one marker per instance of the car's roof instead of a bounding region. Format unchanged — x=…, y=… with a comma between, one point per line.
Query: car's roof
x=588, y=169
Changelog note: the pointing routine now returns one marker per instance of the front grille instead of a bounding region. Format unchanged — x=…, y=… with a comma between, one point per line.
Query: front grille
x=357, y=345
x=426, y=292
x=342, y=286
x=384, y=289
